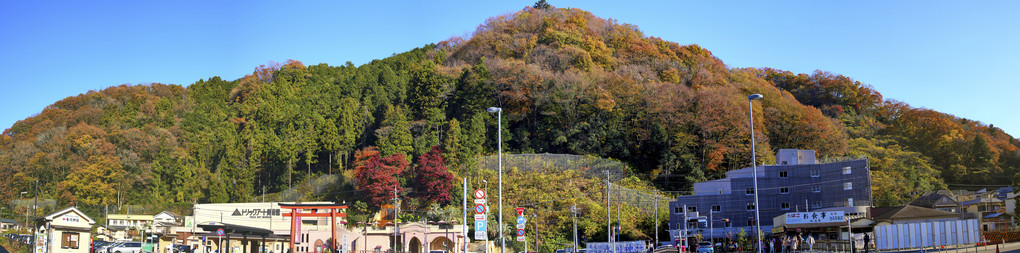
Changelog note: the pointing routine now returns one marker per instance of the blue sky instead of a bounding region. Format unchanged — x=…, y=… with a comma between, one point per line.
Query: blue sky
x=958, y=57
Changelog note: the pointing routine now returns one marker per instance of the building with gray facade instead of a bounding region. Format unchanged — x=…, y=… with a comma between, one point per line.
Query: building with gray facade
x=722, y=208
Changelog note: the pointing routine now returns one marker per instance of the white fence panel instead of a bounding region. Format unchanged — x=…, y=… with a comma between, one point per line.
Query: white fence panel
x=927, y=234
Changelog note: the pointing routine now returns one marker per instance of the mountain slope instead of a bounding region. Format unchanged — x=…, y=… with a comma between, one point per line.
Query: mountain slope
x=569, y=82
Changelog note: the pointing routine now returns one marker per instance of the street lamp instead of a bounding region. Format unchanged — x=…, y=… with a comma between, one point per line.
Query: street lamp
x=23, y=199
x=499, y=132
x=754, y=169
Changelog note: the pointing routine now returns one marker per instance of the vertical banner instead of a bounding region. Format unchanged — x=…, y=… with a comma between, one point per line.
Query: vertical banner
x=40, y=241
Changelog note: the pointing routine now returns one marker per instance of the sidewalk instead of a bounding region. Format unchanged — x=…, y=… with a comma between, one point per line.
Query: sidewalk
x=1012, y=247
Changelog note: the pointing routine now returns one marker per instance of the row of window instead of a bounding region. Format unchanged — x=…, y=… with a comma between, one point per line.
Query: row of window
x=814, y=188
x=815, y=173
x=127, y=222
x=726, y=223
x=751, y=206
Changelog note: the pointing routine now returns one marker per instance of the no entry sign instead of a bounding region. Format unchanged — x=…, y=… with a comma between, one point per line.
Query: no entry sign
x=479, y=194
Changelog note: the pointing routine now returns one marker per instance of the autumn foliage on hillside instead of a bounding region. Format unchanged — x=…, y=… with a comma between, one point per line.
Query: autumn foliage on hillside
x=568, y=82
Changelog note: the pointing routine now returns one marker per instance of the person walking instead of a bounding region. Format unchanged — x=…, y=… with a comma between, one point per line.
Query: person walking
x=867, y=241
x=811, y=243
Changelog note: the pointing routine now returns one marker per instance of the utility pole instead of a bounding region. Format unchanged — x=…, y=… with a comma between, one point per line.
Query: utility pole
x=619, y=223
x=464, y=208
x=656, y=192
x=684, y=235
x=536, y=235
x=574, y=210
x=35, y=211
x=609, y=219
x=396, y=226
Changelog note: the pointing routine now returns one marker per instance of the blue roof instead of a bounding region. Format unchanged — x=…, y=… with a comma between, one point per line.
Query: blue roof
x=994, y=215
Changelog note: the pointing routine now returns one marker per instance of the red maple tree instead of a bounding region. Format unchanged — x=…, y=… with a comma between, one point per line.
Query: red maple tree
x=433, y=181
x=377, y=176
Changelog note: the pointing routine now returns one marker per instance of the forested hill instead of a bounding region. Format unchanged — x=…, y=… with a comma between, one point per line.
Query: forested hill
x=569, y=82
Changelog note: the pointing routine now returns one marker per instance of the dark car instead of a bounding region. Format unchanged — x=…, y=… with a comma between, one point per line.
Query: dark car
x=180, y=248
x=96, y=245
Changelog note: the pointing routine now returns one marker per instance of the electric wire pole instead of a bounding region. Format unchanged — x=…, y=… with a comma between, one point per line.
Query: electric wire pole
x=574, y=210
x=656, y=192
x=609, y=218
x=396, y=226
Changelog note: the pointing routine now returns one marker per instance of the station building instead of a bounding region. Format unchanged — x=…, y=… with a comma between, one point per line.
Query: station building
x=723, y=207
x=267, y=227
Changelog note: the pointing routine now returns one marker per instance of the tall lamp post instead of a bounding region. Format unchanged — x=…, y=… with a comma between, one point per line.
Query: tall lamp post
x=754, y=169
x=499, y=132
x=26, y=216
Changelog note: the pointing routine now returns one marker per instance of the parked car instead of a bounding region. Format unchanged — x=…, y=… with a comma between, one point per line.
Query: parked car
x=705, y=247
x=127, y=247
x=180, y=248
x=96, y=245
x=106, y=248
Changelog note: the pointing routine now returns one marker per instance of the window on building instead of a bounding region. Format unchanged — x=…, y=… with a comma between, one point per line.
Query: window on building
x=785, y=206
x=692, y=209
x=848, y=186
x=69, y=240
x=849, y=201
x=678, y=210
x=784, y=190
x=783, y=174
x=816, y=204
x=716, y=208
x=750, y=191
x=815, y=173
x=750, y=206
x=846, y=170
x=727, y=221
x=816, y=188
x=751, y=222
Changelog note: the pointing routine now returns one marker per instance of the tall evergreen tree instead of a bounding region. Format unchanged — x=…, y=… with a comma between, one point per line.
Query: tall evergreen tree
x=452, y=145
x=395, y=133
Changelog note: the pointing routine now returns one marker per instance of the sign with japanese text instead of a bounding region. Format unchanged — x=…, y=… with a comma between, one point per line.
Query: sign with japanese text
x=815, y=217
x=256, y=213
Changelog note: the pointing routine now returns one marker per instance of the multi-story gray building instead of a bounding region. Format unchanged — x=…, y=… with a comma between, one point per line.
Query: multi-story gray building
x=724, y=207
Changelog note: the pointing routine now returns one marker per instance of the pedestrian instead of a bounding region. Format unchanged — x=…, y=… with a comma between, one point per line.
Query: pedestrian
x=867, y=241
x=811, y=243
x=793, y=243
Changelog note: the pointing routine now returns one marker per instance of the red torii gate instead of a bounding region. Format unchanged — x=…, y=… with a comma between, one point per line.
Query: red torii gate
x=335, y=211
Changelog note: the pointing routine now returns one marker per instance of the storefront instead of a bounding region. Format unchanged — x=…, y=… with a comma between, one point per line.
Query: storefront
x=65, y=231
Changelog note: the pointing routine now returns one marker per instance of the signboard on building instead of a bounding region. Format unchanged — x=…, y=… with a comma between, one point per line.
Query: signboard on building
x=815, y=217
x=256, y=213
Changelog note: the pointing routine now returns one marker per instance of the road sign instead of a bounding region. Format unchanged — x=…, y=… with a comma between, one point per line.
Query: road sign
x=520, y=238
x=520, y=226
x=480, y=230
x=479, y=201
x=521, y=220
x=479, y=209
x=480, y=217
x=219, y=232
x=480, y=225
x=520, y=232
x=520, y=211
x=479, y=194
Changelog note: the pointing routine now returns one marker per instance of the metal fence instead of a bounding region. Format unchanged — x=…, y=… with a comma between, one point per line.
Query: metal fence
x=927, y=234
